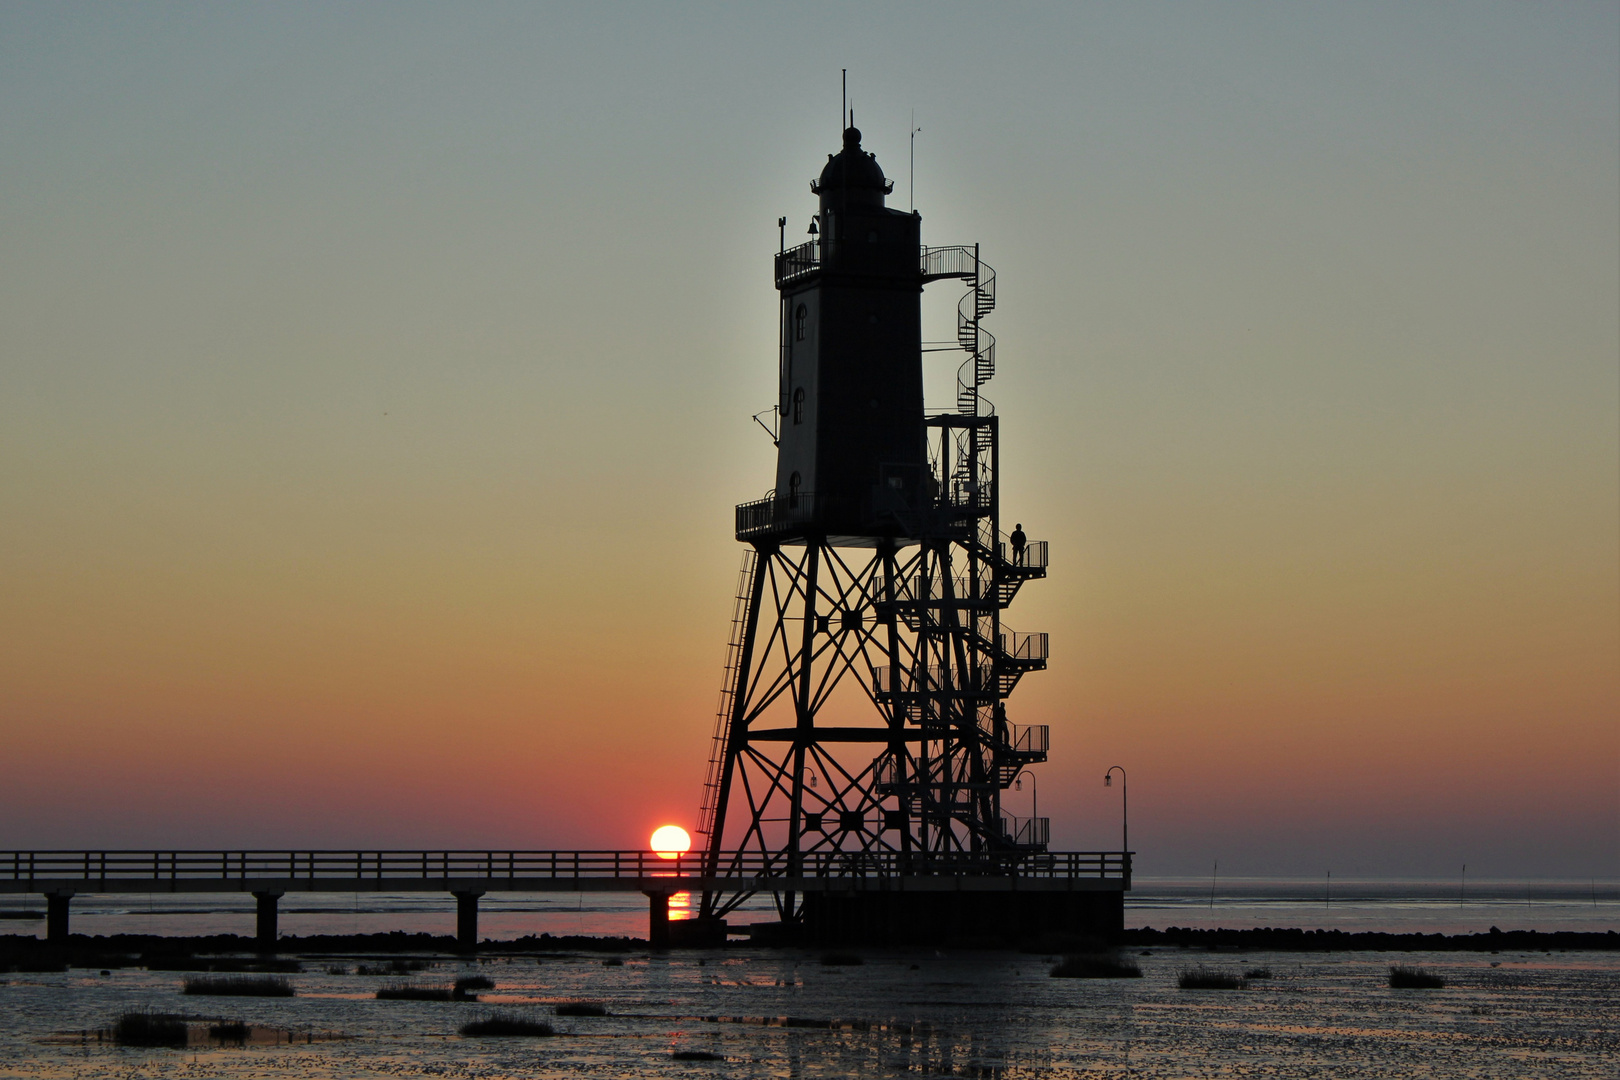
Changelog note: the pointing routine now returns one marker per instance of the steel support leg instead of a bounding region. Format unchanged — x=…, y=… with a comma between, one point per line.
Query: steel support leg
x=265, y=928
x=467, y=919
x=56, y=916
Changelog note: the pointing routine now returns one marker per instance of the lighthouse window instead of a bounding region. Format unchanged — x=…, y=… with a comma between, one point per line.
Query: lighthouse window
x=798, y=405
x=798, y=323
x=793, y=490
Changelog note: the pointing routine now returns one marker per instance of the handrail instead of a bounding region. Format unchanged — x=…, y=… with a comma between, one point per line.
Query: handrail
x=1016, y=646
x=1034, y=556
x=797, y=262
x=1026, y=831
x=953, y=260
x=774, y=511
x=1031, y=738
x=169, y=867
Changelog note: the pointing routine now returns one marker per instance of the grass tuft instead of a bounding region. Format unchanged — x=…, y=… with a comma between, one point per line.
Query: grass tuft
x=695, y=1055
x=1203, y=978
x=613, y=961
x=1096, y=966
x=239, y=985
x=475, y=982
x=840, y=959
x=582, y=1008
x=150, y=1029
x=1257, y=973
x=506, y=1024
x=1414, y=978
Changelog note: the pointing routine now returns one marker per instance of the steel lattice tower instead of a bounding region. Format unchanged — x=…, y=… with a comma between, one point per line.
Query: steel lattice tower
x=863, y=708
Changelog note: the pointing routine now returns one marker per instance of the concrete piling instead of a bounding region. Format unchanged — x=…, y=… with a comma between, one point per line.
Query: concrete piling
x=56, y=915
x=265, y=924
x=658, y=919
x=467, y=919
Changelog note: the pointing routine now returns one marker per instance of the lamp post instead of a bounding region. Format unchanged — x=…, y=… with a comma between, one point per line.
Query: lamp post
x=1124, y=805
x=1034, y=792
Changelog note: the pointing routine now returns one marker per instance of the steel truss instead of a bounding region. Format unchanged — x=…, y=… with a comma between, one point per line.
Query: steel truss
x=864, y=711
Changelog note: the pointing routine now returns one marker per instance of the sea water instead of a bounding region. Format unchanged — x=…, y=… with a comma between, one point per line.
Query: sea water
x=753, y=1012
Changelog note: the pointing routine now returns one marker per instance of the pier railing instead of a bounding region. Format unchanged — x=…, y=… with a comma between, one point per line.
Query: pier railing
x=403, y=868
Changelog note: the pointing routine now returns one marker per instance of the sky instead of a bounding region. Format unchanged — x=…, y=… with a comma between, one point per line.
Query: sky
x=375, y=384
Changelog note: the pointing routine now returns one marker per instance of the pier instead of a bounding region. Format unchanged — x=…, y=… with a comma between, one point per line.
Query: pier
x=845, y=889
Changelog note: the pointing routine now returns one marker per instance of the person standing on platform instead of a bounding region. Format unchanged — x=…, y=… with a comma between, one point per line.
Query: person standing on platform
x=1018, y=541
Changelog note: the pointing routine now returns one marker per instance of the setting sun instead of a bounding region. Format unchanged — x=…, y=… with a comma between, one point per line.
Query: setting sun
x=670, y=841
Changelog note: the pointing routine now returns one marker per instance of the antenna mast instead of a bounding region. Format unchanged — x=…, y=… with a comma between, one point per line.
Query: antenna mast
x=914, y=130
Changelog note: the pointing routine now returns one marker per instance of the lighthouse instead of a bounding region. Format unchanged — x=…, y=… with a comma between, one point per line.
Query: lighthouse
x=865, y=722
x=851, y=457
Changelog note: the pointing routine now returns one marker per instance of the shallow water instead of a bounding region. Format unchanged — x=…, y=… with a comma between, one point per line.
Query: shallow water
x=1395, y=906
x=782, y=1014
x=926, y=1013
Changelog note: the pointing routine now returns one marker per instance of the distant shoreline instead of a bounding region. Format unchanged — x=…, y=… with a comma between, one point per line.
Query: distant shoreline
x=1293, y=940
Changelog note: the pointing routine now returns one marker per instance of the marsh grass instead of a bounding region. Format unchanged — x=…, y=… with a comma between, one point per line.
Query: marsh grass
x=418, y=992
x=239, y=986
x=507, y=1024
x=474, y=982
x=696, y=1055
x=1257, y=973
x=1402, y=977
x=613, y=961
x=150, y=1029
x=1203, y=978
x=1096, y=966
x=581, y=1008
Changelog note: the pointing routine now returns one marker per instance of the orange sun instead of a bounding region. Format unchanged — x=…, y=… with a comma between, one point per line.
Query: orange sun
x=670, y=841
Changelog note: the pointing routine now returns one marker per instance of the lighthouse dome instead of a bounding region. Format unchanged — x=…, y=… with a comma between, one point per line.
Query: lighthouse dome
x=852, y=175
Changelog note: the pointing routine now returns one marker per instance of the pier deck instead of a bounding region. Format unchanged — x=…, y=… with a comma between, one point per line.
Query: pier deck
x=467, y=875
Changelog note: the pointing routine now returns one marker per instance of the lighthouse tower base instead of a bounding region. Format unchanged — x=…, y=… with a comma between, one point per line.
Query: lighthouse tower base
x=881, y=918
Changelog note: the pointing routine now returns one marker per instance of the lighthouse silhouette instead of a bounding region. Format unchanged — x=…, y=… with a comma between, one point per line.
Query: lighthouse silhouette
x=851, y=442
x=864, y=725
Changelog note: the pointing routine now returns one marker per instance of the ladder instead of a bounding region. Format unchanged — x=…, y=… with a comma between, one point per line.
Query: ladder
x=728, y=693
